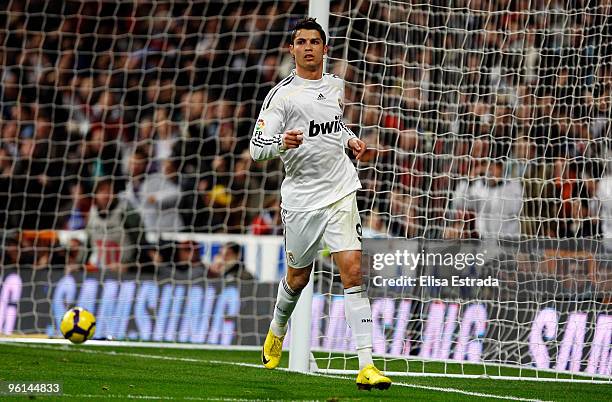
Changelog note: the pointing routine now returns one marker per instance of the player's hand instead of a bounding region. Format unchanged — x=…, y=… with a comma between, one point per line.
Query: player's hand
x=292, y=138
x=357, y=146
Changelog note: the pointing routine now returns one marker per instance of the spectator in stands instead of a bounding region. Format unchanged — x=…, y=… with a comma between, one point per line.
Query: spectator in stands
x=9, y=136
x=6, y=168
x=10, y=253
x=9, y=93
x=187, y=258
x=81, y=205
x=220, y=195
x=106, y=111
x=100, y=157
x=404, y=219
x=144, y=142
x=194, y=106
x=569, y=191
x=115, y=231
x=166, y=134
x=601, y=124
x=35, y=186
x=268, y=221
x=75, y=257
x=159, y=200
x=209, y=41
x=6, y=162
x=78, y=98
x=244, y=195
x=137, y=168
x=604, y=196
x=229, y=264
x=495, y=200
x=584, y=224
x=44, y=249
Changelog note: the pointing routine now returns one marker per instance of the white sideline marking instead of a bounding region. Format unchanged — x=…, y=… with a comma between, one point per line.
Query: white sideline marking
x=258, y=366
x=128, y=396
x=133, y=344
x=576, y=377
x=189, y=346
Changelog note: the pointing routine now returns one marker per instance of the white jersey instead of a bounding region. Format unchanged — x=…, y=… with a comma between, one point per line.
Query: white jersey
x=318, y=172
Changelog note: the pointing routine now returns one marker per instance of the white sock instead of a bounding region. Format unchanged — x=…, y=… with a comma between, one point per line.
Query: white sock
x=286, y=299
x=359, y=318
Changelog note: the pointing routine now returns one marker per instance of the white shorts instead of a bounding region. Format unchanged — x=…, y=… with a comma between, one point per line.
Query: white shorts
x=338, y=225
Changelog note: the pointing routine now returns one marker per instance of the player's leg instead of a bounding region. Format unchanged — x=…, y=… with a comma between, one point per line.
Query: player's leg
x=358, y=315
x=289, y=290
x=303, y=231
x=356, y=303
x=343, y=235
x=288, y=294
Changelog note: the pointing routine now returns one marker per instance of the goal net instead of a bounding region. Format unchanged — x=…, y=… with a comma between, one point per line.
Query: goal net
x=126, y=186
x=489, y=128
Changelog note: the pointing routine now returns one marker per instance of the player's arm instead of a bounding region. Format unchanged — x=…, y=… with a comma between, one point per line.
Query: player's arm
x=350, y=140
x=347, y=134
x=268, y=140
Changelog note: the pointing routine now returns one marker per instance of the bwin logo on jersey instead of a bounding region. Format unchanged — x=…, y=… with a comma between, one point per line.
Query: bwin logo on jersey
x=327, y=127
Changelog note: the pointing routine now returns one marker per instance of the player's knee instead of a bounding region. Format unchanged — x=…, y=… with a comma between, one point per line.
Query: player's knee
x=353, y=275
x=350, y=268
x=297, y=280
x=352, y=278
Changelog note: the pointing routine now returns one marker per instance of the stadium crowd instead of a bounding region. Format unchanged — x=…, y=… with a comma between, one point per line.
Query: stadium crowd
x=482, y=119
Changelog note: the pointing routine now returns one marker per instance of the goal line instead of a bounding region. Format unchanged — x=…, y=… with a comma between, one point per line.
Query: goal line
x=601, y=379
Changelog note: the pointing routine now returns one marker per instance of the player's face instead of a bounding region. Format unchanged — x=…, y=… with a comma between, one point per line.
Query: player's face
x=308, y=49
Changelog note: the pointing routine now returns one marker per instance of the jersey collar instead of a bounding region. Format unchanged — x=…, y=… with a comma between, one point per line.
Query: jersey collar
x=305, y=81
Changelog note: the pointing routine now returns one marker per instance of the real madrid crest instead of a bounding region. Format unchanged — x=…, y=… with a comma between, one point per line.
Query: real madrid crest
x=291, y=257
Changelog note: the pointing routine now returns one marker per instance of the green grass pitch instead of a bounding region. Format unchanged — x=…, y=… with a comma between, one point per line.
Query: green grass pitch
x=128, y=373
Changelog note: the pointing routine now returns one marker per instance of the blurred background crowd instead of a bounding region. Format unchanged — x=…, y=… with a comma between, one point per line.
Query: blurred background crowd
x=482, y=118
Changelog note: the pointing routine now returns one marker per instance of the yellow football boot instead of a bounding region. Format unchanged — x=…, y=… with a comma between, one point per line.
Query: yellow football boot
x=370, y=377
x=272, y=350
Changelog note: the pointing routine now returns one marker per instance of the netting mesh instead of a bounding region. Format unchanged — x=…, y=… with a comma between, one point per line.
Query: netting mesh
x=484, y=120
x=438, y=91
x=443, y=90
x=89, y=85
x=490, y=121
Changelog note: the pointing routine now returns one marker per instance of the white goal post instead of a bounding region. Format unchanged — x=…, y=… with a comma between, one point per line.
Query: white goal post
x=299, y=353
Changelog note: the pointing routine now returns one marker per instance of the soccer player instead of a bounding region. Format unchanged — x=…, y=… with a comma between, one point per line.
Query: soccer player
x=301, y=122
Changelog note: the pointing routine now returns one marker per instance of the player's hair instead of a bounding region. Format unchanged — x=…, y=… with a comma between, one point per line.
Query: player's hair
x=308, y=23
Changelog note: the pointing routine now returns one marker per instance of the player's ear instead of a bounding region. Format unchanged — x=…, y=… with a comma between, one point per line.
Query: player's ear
x=291, y=50
x=325, y=47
